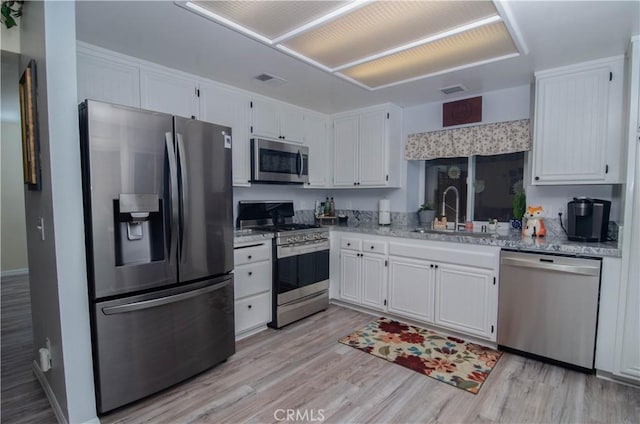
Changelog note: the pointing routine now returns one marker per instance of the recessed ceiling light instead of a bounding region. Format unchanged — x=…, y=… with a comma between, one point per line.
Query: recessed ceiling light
x=375, y=44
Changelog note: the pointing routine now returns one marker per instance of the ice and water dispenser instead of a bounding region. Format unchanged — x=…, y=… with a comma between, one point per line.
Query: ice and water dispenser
x=139, y=229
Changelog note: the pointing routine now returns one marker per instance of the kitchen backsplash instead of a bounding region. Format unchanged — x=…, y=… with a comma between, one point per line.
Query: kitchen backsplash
x=410, y=219
x=364, y=217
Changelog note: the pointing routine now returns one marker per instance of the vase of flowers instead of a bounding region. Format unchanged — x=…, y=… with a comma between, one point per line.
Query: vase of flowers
x=426, y=214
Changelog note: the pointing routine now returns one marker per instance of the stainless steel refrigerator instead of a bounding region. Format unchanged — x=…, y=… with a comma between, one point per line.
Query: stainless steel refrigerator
x=159, y=242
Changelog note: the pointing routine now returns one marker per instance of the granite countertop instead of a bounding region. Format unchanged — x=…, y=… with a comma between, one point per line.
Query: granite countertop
x=508, y=239
x=248, y=235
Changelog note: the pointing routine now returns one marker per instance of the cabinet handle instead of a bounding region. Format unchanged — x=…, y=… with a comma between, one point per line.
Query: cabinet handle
x=249, y=306
x=537, y=178
x=372, y=247
x=348, y=244
x=249, y=257
x=354, y=183
x=250, y=273
x=431, y=266
x=436, y=266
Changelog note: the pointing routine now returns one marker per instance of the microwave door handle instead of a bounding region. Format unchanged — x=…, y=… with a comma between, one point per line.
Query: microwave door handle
x=173, y=195
x=184, y=186
x=301, y=162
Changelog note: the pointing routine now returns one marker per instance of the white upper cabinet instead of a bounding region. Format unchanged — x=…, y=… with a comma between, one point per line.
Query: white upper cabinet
x=316, y=138
x=345, y=147
x=230, y=108
x=107, y=80
x=168, y=93
x=373, y=157
x=277, y=120
x=578, y=124
x=367, y=147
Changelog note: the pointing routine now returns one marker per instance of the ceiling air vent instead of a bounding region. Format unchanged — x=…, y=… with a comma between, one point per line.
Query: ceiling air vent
x=453, y=89
x=270, y=79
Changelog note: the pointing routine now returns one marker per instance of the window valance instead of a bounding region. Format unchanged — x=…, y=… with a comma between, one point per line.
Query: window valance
x=484, y=140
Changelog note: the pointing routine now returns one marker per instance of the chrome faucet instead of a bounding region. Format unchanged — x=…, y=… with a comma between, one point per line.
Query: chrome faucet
x=444, y=204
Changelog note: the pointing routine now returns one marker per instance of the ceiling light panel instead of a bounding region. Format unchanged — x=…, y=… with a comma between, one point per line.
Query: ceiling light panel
x=270, y=19
x=380, y=26
x=461, y=50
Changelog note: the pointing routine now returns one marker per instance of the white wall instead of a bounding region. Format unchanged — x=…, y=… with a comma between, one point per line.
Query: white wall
x=13, y=242
x=57, y=275
x=10, y=38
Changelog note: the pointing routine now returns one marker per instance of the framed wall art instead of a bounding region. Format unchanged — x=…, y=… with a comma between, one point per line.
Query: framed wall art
x=29, y=124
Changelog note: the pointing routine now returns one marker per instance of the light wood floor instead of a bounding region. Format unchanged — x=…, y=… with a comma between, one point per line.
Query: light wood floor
x=23, y=400
x=303, y=368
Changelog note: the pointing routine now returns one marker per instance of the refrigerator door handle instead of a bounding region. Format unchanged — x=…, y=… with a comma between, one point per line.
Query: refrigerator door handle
x=184, y=190
x=146, y=304
x=173, y=192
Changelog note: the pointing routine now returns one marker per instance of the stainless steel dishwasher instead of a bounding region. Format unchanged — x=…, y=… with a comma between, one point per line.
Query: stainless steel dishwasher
x=548, y=306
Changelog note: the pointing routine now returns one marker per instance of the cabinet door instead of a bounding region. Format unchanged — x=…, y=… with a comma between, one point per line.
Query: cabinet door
x=345, y=164
x=372, y=152
x=463, y=299
x=374, y=281
x=350, y=276
x=168, y=93
x=107, y=81
x=265, y=118
x=315, y=137
x=291, y=123
x=411, y=288
x=571, y=127
x=230, y=108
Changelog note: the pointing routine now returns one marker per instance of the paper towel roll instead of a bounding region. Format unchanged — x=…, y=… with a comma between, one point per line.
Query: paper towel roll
x=384, y=212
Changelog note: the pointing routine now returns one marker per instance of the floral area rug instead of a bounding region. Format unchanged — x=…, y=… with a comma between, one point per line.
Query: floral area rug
x=447, y=359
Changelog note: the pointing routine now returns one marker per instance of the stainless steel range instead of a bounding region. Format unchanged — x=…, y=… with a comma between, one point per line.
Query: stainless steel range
x=300, y=259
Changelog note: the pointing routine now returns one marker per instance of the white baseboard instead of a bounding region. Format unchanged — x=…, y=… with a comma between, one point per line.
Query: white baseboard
x=57, y=410
x=609, y=376
x=14, y=272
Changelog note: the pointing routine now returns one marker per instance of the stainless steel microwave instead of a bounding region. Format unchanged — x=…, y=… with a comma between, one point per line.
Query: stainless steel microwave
x=275, y=162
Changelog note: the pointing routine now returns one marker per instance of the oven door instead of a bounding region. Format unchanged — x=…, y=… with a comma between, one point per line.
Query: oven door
x=278, y=162
x=301, y=271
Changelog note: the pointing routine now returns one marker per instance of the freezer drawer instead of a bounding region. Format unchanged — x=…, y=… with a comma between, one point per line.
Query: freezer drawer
x=145, y=343
x=548, y=306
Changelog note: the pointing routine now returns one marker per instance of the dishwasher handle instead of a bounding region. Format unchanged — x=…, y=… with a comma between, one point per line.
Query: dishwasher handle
x=550, y=265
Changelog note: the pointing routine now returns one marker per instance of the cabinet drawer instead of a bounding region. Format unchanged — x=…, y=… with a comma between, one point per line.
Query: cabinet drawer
x=247, y=255
x=351, y=244
x=252, y=279
x=252, y=312
x=374, y=246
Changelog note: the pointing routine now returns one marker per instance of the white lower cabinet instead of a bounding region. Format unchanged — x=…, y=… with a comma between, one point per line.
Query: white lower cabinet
x=363, y=273
x=252, y=287
x=411, y=288
x=463, y=297
x=449, y=285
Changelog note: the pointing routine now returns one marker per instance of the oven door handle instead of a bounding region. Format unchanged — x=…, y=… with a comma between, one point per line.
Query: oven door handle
x=288, y=251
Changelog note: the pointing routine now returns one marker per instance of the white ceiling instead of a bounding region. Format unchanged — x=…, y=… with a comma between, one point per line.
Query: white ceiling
x=555, y=33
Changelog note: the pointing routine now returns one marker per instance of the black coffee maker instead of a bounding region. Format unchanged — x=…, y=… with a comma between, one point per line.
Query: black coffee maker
x=588, y=219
